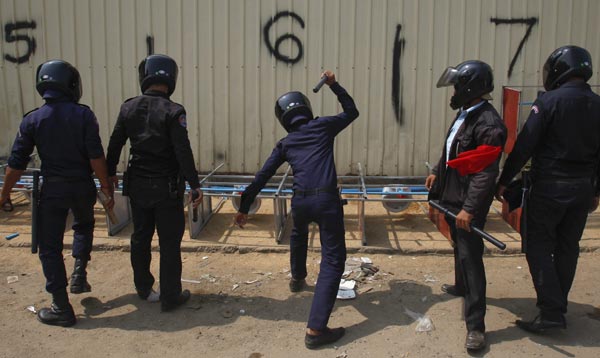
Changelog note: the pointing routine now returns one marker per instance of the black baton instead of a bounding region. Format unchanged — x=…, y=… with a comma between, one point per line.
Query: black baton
x=35, y=197
x=195, y=196
x=320, y=84
x=499, y=244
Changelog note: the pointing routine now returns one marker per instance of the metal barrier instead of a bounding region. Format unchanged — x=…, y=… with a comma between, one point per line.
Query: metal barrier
x=389, y=190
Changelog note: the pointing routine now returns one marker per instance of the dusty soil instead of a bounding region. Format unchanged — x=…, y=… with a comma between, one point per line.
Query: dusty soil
x=263, y=319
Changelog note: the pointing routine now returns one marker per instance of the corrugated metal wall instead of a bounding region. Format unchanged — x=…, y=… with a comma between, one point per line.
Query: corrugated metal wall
x=387, y=53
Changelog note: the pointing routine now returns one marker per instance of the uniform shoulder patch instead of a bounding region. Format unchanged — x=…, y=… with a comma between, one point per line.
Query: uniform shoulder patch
x=182, y=120
x=33, y=110
x=535, y=109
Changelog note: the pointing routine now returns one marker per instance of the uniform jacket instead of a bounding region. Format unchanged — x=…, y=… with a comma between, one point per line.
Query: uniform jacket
x=474, y=192
x=561, y=136
x=157, y=130
x=66, y=135
x=309, y=150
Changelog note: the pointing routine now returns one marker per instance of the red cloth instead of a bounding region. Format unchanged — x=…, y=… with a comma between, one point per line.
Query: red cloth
x=474, y=161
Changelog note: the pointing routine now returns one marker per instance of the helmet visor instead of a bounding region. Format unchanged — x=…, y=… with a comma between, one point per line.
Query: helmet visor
x=448, y=78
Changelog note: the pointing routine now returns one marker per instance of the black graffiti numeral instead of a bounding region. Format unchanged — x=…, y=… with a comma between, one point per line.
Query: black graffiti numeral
x=10, y=37
x=396, y=97
x=530, y=22
x=274, y=50
x=150, y=44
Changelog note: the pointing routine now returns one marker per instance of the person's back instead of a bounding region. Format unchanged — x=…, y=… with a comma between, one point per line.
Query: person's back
x=310, y=147
x=65, y=134
x=571, y=145
x=147, y=120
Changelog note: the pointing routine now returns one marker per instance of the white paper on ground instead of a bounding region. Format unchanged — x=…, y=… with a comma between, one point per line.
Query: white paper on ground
x=346, y=294
x=347, y=284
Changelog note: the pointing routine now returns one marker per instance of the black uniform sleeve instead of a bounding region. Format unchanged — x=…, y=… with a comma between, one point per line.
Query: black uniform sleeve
x=117, y=140
x=260, y=180
x=23, y=146
x=93, y=143
x=337, y=123
x=482, y=184
x=526, y=144
x=183, y=151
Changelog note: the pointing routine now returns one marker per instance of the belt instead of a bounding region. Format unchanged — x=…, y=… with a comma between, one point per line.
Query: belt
x=317, y=191
x=57, y=179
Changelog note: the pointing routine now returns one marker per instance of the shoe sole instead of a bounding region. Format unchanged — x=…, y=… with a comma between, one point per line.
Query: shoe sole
x=59, y=323
x=312, y=345
x=76, y=290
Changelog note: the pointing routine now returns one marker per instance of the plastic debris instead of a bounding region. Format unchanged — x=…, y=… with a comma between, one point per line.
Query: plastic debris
x=519, y=267
x=430, y=278
x=31, y=309
x=235, y=286
x=11, y=236
x=424, y=323
x=347, y=284
x=251, y=281
x=342, y=355
x=12, y=279
x=242, y=311
x=190, y=281
x=369, y=269
x=204, y=257
x=366, y=260
x=346, y=295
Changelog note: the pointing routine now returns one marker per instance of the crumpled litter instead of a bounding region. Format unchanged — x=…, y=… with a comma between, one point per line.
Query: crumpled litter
x=424, y=323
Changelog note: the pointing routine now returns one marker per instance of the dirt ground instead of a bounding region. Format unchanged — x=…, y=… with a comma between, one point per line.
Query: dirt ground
x=241, y=307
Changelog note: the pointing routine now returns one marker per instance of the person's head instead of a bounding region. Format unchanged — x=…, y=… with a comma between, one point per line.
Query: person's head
x=473, y=81
x=61, y=76
x=566, y=63
x=292, y=109
x=158, y=69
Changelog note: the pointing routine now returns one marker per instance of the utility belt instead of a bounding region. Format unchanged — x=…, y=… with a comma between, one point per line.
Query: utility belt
x=176, y=184
x=316, y=191
x=60, y=179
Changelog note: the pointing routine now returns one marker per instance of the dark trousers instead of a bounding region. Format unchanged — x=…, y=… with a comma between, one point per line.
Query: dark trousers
x=470, y=273
x=154, y=208
x=556, y=218
x=55, y=202
x=326, y=210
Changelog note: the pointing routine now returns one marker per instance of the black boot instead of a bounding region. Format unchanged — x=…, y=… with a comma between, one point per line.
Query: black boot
x=60, y=312
x=79, y=282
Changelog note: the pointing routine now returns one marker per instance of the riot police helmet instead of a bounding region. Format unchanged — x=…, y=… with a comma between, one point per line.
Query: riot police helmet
x=471, y=80
x=60, y=76
x=158, y=69
x=292, y=108
x=564, y=63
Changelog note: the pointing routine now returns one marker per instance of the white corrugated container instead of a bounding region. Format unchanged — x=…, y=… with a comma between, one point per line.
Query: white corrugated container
x=229, y=78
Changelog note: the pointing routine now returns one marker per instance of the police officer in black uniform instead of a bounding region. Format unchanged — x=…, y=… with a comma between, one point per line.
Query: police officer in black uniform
x=161, y=160
x=477, y=123
x=67, y=138
x=562, y=138
x=309, y=149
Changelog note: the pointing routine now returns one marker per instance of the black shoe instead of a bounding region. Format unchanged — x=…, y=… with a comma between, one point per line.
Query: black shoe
x=475, y=341
x=57, y=316
x=540, y=325
x=184, y=296
x=327, y=336
x=79, y=283
x=297, y=285
x=452, y=290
